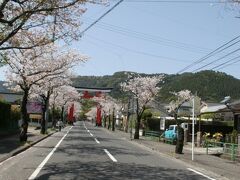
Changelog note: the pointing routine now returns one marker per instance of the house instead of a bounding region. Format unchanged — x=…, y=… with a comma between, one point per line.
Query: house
x=34, y=108
x=8, y=95
x=228, y=111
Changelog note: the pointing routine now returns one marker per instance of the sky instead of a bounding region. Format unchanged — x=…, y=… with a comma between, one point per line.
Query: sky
x=157, y=36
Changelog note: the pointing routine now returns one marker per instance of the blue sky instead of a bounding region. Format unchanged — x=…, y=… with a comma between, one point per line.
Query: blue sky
x=156, y=37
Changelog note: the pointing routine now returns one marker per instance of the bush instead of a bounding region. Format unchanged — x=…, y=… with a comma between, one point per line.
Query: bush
x=5, y=113
x=8, y=117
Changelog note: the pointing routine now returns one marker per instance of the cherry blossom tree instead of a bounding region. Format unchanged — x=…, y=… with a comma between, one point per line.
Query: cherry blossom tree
x=181, y=97
x=108, y=104
x=39, y=21
x=143, y=89
x=44, y=89
x=92, y=113
x=31, y=66
x=63, y=96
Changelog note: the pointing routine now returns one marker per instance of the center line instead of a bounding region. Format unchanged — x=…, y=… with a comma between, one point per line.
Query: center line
x=97, y=141
x=35, y=173
x=111, y=156
x=200, y=173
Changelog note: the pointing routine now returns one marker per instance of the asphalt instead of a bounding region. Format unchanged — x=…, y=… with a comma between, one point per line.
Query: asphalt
x=223, y=167
x=10, y=146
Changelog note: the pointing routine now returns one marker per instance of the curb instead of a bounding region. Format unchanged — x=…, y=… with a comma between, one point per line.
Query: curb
x=187, y=162
x=23, y=148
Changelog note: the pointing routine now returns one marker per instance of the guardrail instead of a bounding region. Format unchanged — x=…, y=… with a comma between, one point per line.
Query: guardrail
x=232, y=150
x=153, y=134
x=228, y=150
x=157, y=136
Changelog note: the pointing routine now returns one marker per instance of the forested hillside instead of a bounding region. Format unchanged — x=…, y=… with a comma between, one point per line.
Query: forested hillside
x=209, y=85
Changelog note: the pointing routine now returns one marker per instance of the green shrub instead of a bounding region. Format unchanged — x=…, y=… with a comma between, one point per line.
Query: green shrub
x=8, y=117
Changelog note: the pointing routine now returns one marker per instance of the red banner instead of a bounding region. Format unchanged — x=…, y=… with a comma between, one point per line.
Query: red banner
x=71, y=114
x=99, y=116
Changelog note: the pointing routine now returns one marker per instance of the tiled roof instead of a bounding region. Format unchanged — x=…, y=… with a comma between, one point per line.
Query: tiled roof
x=7, y=95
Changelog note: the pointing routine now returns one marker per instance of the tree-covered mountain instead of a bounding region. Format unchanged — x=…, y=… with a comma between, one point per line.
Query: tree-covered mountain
x=211, y=86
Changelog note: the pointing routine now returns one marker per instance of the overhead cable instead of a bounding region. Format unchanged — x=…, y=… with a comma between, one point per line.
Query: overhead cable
x=98, y=19
x=178, y=1
x=225, y=63
x=132, y=50
x=216, y=60
x=217, y=50
x=151, y=38
x=234, y=62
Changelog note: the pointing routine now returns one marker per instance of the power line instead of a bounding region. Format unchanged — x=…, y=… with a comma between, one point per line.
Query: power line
x=217, y=50
x=216, y=60
x=151, y=38
x=134, y=51
x=228, y=64
x=176, y=1
x=222, y=64
x=98, y=19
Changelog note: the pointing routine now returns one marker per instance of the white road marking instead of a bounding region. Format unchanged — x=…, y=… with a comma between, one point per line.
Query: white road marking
x=88, y=131
x=35, y=173
x=91, y=134
x=111, y=156
x=6, y=160
x=85, y=126
x=97, y=141
x=200, y=174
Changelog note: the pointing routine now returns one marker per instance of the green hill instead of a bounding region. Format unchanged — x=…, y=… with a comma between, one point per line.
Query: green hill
x=211, y=86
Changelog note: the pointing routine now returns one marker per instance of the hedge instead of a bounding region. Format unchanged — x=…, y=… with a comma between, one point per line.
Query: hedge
x=8, y=119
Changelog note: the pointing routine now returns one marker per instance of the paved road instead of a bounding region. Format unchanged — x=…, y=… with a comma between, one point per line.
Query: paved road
x=87, y=152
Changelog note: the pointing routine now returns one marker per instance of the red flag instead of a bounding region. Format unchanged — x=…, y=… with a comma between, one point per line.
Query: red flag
x=99, y=116
x=70, y=113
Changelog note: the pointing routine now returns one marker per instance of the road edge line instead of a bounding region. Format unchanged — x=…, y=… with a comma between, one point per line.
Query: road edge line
x=36, y=172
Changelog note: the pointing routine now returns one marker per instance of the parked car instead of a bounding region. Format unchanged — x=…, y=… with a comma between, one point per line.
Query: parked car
x=171, y=132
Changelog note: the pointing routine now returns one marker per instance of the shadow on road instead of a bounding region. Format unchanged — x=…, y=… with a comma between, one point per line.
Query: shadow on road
x=109, y=170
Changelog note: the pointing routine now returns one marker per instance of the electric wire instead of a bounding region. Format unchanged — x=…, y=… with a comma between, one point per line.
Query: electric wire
x=229, y=64
x=224, y=63
x=151, y=38
x=176, y=1
x=216, y=60
x=134, y=51
x=212, y=53
x=102, y=16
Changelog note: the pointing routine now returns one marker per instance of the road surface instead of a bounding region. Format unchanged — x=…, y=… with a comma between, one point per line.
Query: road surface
x=87, y=152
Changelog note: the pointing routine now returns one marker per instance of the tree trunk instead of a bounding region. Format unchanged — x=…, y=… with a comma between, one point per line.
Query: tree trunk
x=43, y=123
x=105, y=121
x=128, y=115
x=139, y=116
x=113, y=120
x=45, y=112
x=62, y=114
x=180, y=137
x=137, y=126
x=25, y=117
x=109, y=120
x=53, y=117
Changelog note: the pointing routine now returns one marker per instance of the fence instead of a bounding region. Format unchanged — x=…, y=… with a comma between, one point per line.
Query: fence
x=232, y=151
x=228, y=150
x=155, y=135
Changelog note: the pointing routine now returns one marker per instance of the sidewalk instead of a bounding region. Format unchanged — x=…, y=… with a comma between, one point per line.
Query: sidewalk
x=10, y=146
x=222, y=167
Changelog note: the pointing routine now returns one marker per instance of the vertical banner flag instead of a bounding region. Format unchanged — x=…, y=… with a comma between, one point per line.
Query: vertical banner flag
x=70, y=113
x=99, y=116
